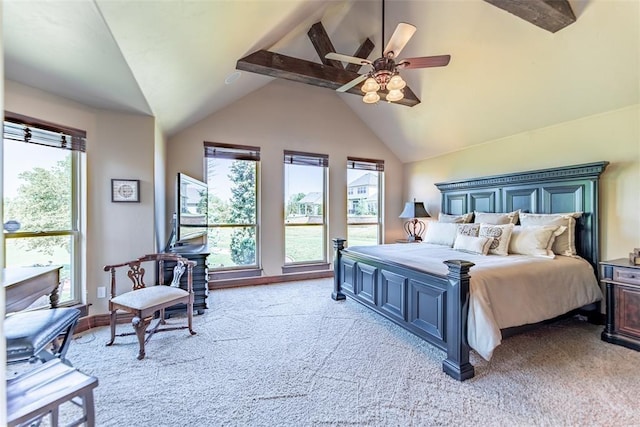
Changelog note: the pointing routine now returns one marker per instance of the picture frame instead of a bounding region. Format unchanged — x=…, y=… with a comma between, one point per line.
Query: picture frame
x=125, y=190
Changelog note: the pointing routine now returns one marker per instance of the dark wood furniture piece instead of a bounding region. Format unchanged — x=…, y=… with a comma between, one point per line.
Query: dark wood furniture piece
x=435, y=307
x=40, y=392
x=198, y=254
x=622, y=284
x=148, y=302
x=24, y=285
x=40, y=334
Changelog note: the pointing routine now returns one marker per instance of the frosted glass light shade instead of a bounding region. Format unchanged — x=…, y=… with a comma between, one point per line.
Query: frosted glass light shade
x=395, y=95
x=396, y=83
x=371, y=98
x=370, y=85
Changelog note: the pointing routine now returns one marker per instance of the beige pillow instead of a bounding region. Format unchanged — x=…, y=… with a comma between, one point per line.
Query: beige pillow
x=496, y=218
x=472, y=244
x=565, y=243
x=535, y=240
x=441, y=233
x=464, y=218
x=501, y=234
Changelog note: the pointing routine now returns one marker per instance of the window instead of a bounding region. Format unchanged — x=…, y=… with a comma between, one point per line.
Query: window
x=364, y=221
x=41, y=199
x=305, y=176
x=231, y=174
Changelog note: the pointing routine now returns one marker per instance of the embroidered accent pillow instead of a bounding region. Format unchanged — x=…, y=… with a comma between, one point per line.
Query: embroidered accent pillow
x=468, y=229
x=472, y=244
x=501, y=234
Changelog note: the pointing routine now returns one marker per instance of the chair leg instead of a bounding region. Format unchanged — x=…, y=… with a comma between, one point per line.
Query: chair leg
x=140, y=326
x=190, y=318
x=112, y=323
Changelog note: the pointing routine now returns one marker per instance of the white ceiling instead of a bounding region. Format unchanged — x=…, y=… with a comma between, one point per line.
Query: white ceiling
x=170, y=59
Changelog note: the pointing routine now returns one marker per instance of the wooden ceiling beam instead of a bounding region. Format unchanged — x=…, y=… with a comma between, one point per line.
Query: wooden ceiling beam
x=322, y=43
x=299, y=70
x=551, y=15
x=363, y=51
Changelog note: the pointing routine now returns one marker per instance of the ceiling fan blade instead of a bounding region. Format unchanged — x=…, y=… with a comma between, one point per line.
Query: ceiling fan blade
x=399, y=39
x=345, y=87
x=425, y=61
x=346, y=58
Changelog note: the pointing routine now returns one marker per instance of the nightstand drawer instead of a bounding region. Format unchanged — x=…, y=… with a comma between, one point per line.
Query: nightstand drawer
x=626, y=275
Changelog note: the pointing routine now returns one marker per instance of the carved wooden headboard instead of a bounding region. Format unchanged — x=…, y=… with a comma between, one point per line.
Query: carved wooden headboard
x=557, y=190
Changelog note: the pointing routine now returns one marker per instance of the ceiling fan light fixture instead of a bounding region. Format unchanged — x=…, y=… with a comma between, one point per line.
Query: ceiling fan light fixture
x=370, y=85
x=371, y=98
x=396, y=83
x=395, y=95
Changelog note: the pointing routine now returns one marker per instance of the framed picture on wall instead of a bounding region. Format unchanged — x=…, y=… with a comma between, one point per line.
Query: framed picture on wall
x=125, y=190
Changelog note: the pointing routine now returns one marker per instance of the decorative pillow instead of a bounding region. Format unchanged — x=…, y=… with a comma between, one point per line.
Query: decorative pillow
x=468, y=229
x=441, y=233
x=534, y=240
x=565, y=243
x=464, y=218
x=496, y=218
x=501, y=235
x=472, y=244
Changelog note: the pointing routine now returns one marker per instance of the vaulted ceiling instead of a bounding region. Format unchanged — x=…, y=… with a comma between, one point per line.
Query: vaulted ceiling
x=170, y=59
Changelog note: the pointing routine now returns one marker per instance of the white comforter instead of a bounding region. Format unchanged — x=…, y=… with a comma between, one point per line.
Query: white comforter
x=506, y=291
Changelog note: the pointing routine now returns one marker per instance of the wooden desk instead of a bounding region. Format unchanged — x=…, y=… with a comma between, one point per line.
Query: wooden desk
x=24, y=285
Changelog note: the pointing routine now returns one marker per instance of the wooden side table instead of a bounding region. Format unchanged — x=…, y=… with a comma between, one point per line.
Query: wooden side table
x=622, y=282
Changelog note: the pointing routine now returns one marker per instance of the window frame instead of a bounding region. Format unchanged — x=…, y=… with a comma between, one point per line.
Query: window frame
x=30, y=130
x=301, y=158
x=234, y=152
x=374, y=165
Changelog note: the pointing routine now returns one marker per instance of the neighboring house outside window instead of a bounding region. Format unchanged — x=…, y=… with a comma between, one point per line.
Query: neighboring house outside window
x=305, y=198
x=364, y=201
x=232, y=178
x=42, y=202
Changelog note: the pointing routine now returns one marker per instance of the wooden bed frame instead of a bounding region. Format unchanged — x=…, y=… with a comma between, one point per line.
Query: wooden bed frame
x=435, y=307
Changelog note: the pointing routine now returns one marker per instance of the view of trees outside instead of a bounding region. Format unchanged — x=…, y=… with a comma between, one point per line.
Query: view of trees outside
x=363, y=201
x=37, y=186
x=232, y=212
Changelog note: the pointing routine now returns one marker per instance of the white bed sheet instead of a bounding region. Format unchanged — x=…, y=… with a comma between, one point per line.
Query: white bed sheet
x=506, y=291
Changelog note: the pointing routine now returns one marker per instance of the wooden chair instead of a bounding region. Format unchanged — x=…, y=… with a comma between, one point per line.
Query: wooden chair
x=146, y=302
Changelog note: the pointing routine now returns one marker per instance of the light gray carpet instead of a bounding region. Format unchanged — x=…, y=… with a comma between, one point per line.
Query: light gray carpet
x=280, y=355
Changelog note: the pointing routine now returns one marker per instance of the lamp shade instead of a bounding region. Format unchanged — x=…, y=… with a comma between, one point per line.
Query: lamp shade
x=414, y=210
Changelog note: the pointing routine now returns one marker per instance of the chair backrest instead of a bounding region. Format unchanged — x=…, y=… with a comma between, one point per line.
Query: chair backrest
x=136, y=272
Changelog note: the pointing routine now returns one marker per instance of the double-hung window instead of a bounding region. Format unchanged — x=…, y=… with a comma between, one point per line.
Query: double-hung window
x=305, y=201
x=364, y=201
x=42, y=199
x=232, y=178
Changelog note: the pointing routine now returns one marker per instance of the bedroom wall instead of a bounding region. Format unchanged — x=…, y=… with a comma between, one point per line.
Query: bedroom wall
x=118, y=146
x=286, y=115
x=613, y=136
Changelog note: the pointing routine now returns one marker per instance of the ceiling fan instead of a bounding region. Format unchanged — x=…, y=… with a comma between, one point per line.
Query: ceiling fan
x=383, y=73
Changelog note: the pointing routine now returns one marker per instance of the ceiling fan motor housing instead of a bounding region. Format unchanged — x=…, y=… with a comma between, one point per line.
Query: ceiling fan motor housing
x=383, y=69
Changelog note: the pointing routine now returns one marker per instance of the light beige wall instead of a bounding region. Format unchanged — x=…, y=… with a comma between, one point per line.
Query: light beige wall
x=118, y=146
x=613, y=136
x=285, y=115
x=160, y=191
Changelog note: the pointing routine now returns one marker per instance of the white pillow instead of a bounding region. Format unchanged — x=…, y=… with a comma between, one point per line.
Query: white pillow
x=565, y=244
x=472, y=244
x=441, y=233
x=534, y=240
x=496, y=218
x=501, y=235
x=464, y=218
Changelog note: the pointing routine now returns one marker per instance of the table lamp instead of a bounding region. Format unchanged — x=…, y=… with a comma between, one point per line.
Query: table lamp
x=414, y=227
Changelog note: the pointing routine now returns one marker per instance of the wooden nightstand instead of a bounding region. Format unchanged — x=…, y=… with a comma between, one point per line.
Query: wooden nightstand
x=408, y=241
x=622, y=281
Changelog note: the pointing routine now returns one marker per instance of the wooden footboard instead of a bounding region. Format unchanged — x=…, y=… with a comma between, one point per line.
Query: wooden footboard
x=432, y=306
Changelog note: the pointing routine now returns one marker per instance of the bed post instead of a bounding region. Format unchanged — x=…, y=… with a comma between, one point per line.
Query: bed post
x=457, y=363
x=338, y=246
